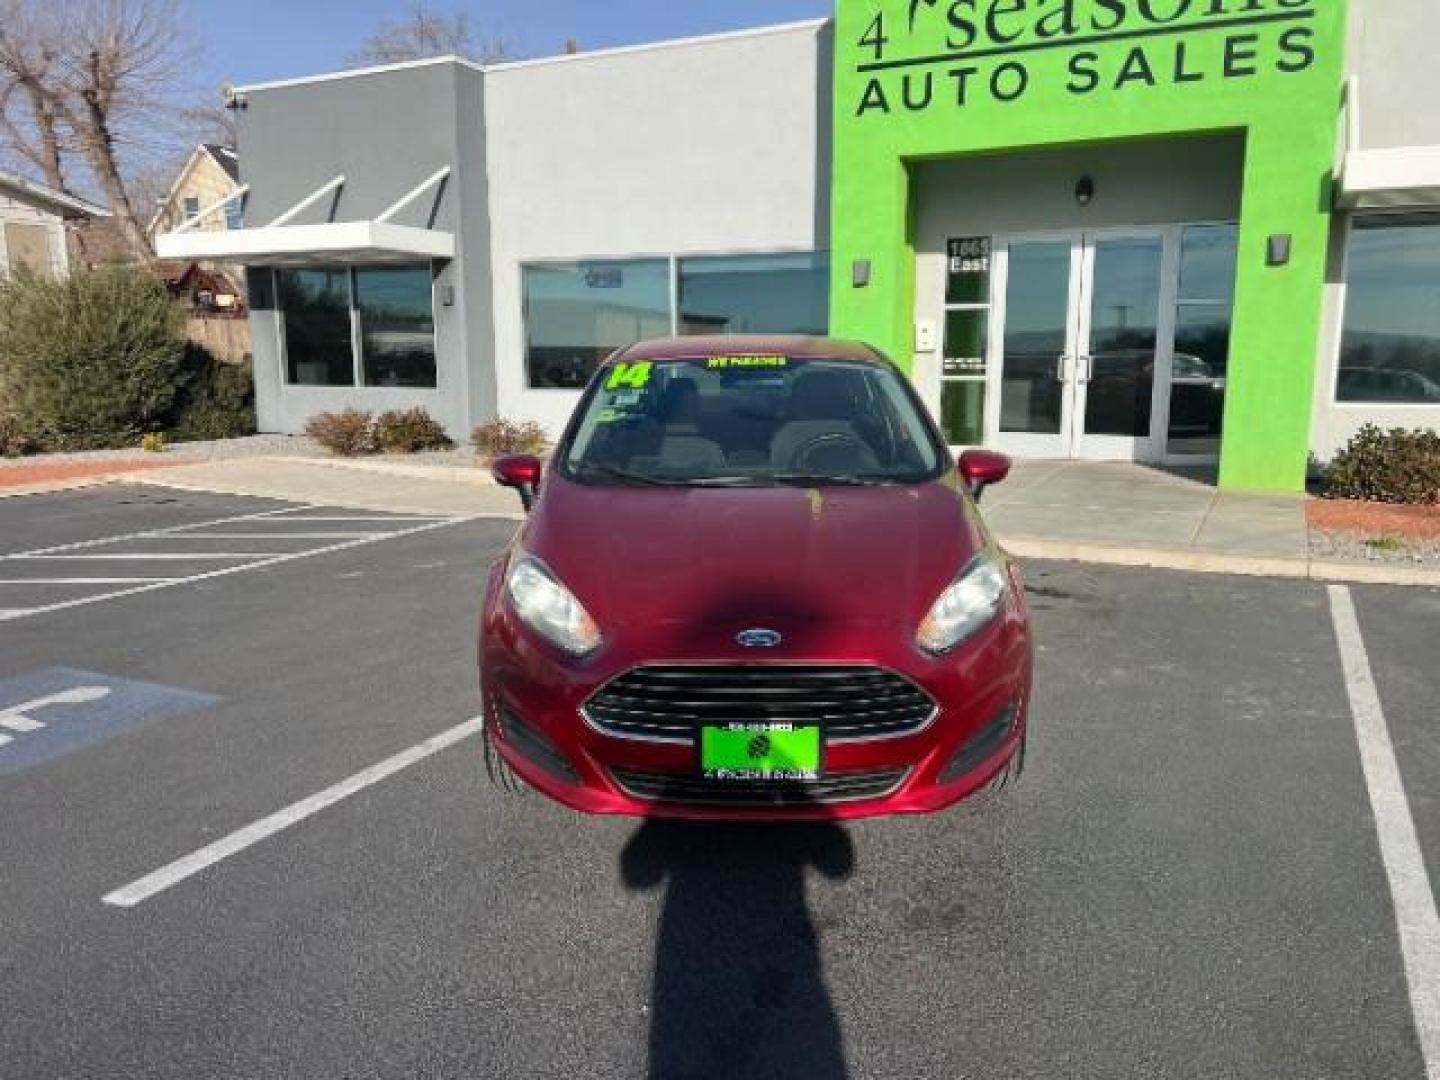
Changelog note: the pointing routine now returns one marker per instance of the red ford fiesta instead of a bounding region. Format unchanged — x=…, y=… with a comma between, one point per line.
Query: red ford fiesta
x=754, y=584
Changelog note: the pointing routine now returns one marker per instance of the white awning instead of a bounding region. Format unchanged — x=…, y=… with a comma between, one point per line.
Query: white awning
x=1400, y=178
x=357, y=242
x=279, y=243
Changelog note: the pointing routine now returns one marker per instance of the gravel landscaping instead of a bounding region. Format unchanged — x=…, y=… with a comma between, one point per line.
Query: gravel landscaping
x=1349, y=530
x=1381, y=550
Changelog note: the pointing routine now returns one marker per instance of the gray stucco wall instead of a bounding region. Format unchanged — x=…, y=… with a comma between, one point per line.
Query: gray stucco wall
x=1392, y=50
x=708, y=147
x=386, y=132
x=476, y=291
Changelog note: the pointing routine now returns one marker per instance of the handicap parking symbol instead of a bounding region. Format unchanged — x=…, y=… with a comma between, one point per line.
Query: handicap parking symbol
x=46, y=714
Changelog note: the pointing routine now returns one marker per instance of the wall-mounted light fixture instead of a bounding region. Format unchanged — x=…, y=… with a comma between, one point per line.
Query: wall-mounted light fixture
x=1085, y=190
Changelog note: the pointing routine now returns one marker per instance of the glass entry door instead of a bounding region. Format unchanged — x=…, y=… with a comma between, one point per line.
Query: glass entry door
x=1084, y=326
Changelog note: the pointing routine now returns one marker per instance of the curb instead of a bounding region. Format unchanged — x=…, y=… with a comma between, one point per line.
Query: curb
x=455, y=474
x=254, y=492
x=72, y=484
x=1204, y=562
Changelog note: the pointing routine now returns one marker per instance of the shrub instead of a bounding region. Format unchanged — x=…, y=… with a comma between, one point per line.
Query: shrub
x=410, y=431
x=216, y=401
x=92, y=360
x=153, y=442
x=497, y=437
x=13, y=440
x=346, y=433
x=1397, y=466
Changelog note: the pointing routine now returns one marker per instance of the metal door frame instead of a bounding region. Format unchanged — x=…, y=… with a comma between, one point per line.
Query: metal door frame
x=1071, y=367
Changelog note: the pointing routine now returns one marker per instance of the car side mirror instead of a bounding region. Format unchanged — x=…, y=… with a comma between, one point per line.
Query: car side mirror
x=981, y=468
x=521, y=472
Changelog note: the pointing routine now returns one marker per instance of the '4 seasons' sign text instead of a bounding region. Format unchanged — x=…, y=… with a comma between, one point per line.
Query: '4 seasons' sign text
x=921, y=54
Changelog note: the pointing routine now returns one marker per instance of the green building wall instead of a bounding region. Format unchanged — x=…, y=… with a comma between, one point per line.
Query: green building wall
x=925, y=79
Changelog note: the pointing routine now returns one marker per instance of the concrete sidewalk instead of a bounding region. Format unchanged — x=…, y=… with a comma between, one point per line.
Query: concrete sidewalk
x=1133, y=505
x=379, y=486
x=1134, y=515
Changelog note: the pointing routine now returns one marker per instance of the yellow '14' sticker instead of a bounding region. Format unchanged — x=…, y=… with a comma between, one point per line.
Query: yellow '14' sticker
x=635, y=376
x=747, y=362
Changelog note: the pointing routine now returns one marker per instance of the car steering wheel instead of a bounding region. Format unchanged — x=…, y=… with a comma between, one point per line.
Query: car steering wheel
x=829, y=440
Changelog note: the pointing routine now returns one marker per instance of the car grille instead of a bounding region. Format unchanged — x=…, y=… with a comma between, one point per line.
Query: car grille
x=830, y=788
x=848, y=702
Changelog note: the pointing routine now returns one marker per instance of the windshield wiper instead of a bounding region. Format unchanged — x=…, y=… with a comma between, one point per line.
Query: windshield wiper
x=726, y=481
x=838, y=479
x=624, y=476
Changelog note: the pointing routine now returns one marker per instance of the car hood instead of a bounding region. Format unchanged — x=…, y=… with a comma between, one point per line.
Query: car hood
x=790, y=559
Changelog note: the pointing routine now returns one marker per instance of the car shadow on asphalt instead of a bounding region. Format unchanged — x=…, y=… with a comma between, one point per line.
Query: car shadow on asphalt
x=738, y=987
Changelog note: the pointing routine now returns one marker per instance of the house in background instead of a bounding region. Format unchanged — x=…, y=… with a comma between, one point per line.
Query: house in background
x=210, y=174
x=33, y=222
x=197, y=201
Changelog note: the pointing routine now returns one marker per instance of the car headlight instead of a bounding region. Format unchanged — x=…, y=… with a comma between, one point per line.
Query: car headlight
x=967, y=604
x=549, y=608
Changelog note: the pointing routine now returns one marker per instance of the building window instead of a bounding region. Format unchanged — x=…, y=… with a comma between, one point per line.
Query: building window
x=397, y=326
x=1202, y=339
x=1390, y=348
x=755, y=294
x=235, y=214
x=29, y=248
x=386, y=312
x=319, y=345
x=577, y=314
x=192, y=207
x=966, y=340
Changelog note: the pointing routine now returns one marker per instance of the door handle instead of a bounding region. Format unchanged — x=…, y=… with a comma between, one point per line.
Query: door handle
x=1085, y=368
x=1060, y=365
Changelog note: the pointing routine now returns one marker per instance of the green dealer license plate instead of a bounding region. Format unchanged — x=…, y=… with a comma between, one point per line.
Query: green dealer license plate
x=760, y=752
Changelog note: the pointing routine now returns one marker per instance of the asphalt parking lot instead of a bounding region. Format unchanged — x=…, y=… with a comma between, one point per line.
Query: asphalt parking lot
x=234, y=849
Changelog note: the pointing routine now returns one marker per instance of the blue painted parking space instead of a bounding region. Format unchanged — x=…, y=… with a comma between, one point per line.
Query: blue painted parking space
x=51, y=712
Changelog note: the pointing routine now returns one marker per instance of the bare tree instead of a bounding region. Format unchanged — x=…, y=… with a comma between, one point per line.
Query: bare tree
x=98, y=80
x=29, y=123
x=209, y=123
x=422, y=33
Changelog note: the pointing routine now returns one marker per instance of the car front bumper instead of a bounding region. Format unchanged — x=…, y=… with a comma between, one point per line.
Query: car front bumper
x=535, y=698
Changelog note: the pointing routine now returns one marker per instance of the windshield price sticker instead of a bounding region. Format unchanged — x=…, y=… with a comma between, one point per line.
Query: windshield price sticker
x=636, y=376
x=721, y=362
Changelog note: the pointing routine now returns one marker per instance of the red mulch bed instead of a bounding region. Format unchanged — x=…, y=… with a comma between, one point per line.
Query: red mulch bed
x=1374, y=519
x=43, y=472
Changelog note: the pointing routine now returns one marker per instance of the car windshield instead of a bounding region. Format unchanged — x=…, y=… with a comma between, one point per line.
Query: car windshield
x=751, y=421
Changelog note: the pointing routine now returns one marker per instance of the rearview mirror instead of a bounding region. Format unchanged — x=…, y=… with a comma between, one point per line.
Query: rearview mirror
x=521, y=472
x=981, y=468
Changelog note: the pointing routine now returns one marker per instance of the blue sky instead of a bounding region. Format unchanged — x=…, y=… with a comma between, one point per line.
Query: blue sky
x=260, y=40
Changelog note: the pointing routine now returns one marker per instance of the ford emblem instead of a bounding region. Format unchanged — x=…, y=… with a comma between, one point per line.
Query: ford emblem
x=758, y=639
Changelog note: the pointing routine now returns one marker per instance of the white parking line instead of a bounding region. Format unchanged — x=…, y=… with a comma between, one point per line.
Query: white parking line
x=352, y=535
x=189, y=556
x=82, y=580
x=150, y=533
x=369, y=517
x=1410, y=888
x=261, y=563
x=177, y=871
